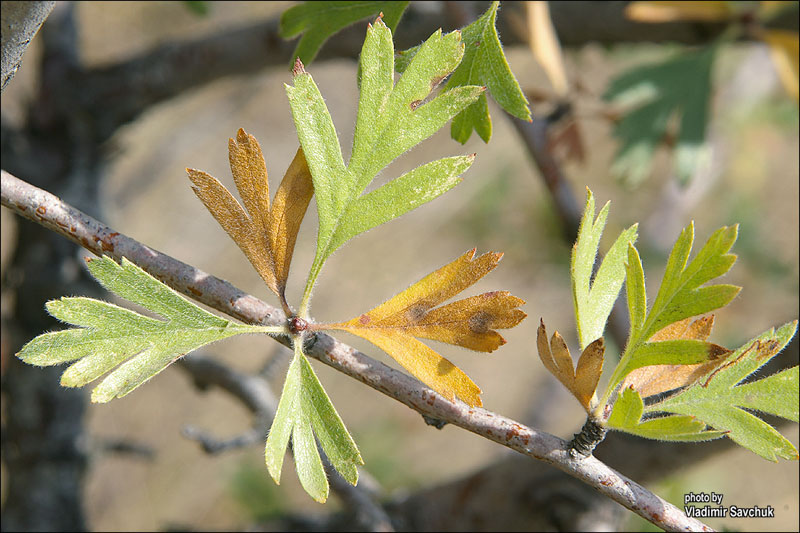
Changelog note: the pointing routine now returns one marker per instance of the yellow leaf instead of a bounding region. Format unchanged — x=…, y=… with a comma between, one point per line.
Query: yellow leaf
x=582, y=381
x=545, y=46
x=266, y=236
x=784, y=47
x=674, y=11
x=650, y=380
x=394, y=324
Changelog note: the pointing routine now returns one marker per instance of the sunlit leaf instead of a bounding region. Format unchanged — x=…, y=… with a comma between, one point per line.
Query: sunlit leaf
x=722, y=399
x=393, y=325
x=654, y=94
x=581, y=381
x=266, y=235
x=683, y=294
x=651, y=380
x=594, y=299
x=627, y=414
x=110, y=337
x=305, y=410
x=318, y=21
x=392, y=118
x=484, y=64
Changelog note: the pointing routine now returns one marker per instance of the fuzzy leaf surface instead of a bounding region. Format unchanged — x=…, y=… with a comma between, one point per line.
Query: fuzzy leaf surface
x=682, y=294
x=627, y=414
x=721, y=399
x=392, y=118
x=265, y=234
x=394, y=325
x=110, y=337
x=654, y=94
x=594, y=299
x=484, y=64
x=305, y=410
x=318, y=21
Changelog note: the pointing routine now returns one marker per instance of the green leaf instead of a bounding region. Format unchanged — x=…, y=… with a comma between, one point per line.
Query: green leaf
x=305, y=409
x=109, y=334
x=392, y=118
x=484, y=64
x=594, y=299
x=719, y=402
x=680, y=296
x=679, y=86
x=627, y=414
x=318, y=21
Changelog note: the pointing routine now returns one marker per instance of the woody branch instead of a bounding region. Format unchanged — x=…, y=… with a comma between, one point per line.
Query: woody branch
x=49, y=211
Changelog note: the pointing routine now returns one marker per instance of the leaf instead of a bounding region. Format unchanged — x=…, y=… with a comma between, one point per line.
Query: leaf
x=678, y=86
x=266, y=236
x=594, y=300
x=582, y=381
x=545, y=47
x=303, y=411
x=682, y=295
x=318, y=21
x=652, y=380
x=627, y=414
x=109, y=335
x=784, y=47
x=393, y=325
x=484, y=64
x=721, y=399
x=392, y=118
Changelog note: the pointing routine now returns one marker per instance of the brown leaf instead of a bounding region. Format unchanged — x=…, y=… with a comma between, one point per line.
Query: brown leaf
x=288, y=210
x=582, y=381
x=656, y=379
x=266, y=235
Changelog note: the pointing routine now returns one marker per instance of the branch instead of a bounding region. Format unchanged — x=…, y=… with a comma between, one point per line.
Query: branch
x=20, y=22
x=47, y=210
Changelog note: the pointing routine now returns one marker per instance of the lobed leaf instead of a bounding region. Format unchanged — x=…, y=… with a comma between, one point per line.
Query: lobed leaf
x=680, y=296
x=303, y=411
x=318, y=21
x=392, y=118
x=484, y=64
x=393, y=325
x=109, y=335
x=720, y=398
x=627, y=413
x=581, y=381
x=594, y=299
x=678, y=86
x=266, y=235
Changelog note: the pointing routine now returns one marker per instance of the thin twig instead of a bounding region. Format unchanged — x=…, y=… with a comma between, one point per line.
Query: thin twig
x=46, y=209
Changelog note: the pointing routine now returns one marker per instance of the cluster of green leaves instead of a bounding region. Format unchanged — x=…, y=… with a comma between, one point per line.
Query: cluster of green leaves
x=671, y=383
x=483, y=64
x=392, y=118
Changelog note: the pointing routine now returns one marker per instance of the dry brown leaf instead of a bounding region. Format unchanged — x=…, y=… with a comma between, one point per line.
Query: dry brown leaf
x=266, y=235
x=582, y=381
x=651, y=380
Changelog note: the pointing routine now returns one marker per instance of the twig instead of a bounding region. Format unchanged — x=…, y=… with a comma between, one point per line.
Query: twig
x=21, y=21
x=44, y=208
